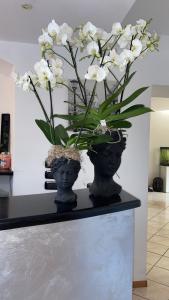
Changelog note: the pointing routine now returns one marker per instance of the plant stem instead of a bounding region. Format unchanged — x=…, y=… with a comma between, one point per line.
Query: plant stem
x=86, y=113
x=107, y=41
x=76, y=52
x=105, y=93
x=61, y=83
x=39, y=100
x=52, y=131
x=82, y=89
x=90, y=65
x=107, y=87
x=125, y=78
x=61, y=56
x=119, y=83
x=51, y=102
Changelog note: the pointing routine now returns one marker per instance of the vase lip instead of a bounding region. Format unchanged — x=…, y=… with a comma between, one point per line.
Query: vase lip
x=120, y=140
x=58, y=151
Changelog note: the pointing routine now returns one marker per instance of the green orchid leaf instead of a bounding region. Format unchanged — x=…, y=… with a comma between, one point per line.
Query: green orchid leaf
x=70, y=117
x=62, y=133
x=130, y=114
x=72, y=139
x=101, y=139
x=76, y=105
x=79, y=125
x=133, y=107
x=119, y=124
x=95, y=139
x=48, y=131
x=114, y=108
x=114, y=96
x=83, y=147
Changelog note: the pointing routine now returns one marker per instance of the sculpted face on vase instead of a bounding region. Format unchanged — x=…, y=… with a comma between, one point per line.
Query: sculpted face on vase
x=106, y=159
x=65, y=172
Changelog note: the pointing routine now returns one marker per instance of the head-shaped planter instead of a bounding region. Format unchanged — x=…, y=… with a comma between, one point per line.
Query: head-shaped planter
x=106, y=159
x=65, y=172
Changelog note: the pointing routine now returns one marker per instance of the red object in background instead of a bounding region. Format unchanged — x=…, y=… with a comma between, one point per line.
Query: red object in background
x=5, y=161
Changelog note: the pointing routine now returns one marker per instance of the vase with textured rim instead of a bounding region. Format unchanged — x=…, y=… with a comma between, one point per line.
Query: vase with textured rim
x=106, y=159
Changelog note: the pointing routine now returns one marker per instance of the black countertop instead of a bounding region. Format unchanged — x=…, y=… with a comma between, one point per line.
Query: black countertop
x=30, y=210
x=6, y=172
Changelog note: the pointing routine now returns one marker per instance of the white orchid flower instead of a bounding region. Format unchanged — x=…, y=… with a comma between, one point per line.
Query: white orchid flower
x=58, y=72
x=123, y=42
x=56, y=63
x=53, y=29
x=141, y=24
x=136, y=47
x=126, y=56
x=24, y=82
x=106, y=61
x=65, y=33
x=43, y=72
x=89, y=29
x=96, y=73
x=126, y=36
x=40, y=65
x=45, y=41
x=93, y=49
x=116, y=29
x=101, y=35
x=114, y=57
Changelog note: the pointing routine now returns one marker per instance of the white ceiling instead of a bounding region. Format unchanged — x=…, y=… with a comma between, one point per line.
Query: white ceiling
x=25, y=26
x=158, y=10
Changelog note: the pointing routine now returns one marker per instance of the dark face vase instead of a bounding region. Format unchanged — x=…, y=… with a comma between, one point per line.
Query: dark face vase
x=106, y=159
x=65, y=172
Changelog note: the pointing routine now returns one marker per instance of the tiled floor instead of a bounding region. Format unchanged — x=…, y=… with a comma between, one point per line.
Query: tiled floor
x=157, y=250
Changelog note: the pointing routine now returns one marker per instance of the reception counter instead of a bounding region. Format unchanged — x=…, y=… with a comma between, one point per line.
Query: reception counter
x=61, y=252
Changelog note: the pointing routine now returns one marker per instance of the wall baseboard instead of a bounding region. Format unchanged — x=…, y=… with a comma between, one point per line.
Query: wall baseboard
x=139, y=284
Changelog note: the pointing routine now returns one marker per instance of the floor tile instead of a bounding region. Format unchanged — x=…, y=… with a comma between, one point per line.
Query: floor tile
x=158, y=196
x=164, y=214
x=156, y=248
x=166, y=253
x=154, y=291
x=149, y=236
x=153, y=211
x=160, y=219
x=160, y=204
x=152, y=258
x=162, y=232
x=159, y=275
x=163, y=263
x=135, y=297
x=148, y=267
x=153, y=230
x=160, y=240
x=166, y=226
x=155, y=225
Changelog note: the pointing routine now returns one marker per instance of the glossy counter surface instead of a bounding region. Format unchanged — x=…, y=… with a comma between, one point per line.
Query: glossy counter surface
x=30, y=210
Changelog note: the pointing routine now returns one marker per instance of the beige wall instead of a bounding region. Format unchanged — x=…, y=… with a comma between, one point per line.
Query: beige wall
x=159, y=137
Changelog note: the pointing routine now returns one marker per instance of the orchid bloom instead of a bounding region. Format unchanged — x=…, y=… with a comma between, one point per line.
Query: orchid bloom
x=96, y=73
x=93, y=49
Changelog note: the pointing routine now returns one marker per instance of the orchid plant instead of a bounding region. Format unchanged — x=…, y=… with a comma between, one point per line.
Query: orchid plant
x=109, y=57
